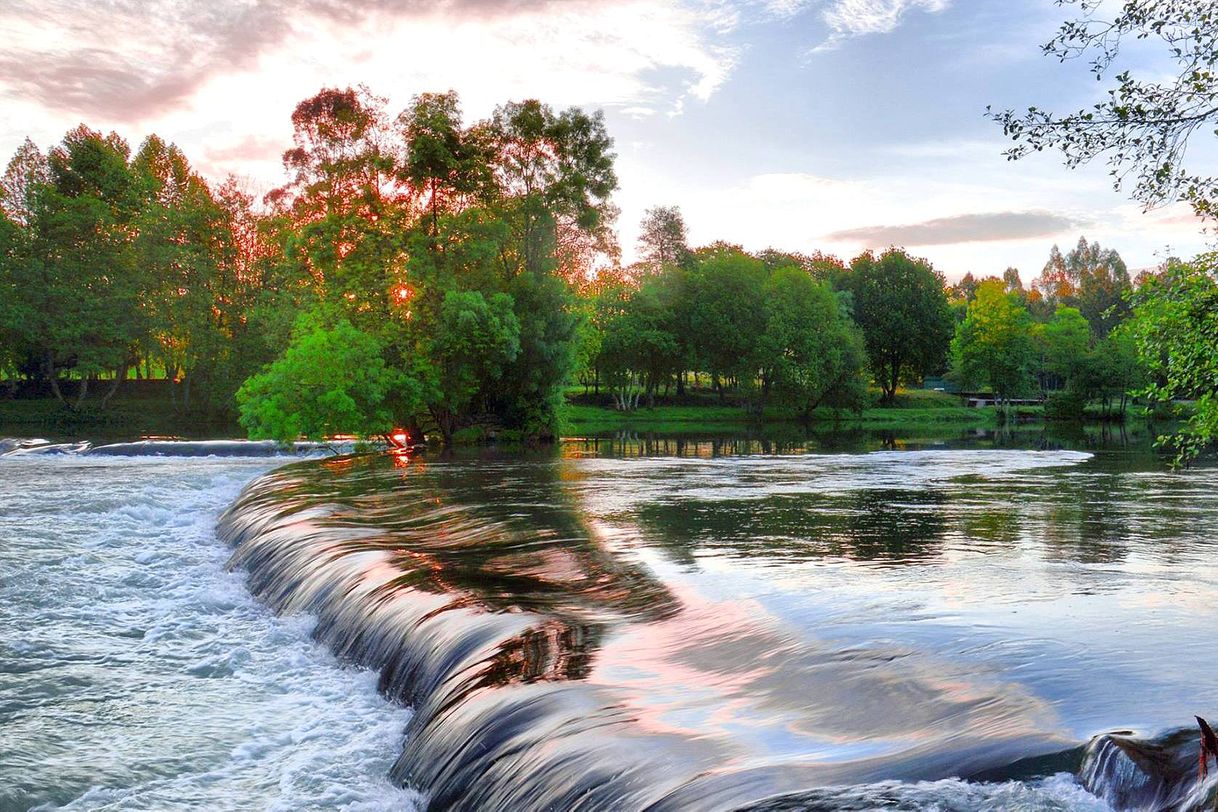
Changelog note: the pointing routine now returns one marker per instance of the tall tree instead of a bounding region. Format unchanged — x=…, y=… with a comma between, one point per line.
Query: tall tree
x=1091, y=278
x=83, y=283
x=993, y=345
x=337, y=210
x=727, y=291
x=662, y=238
x=901, y=305
x=811, y=352
x=443, y=162
x=1175, y=331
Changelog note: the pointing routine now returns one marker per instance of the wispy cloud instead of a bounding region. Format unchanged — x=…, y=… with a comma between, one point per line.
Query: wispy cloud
x=963, y=228
x=856, y=18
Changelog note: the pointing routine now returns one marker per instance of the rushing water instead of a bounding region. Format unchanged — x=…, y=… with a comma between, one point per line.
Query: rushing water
x=934, y=629
x=137, y=673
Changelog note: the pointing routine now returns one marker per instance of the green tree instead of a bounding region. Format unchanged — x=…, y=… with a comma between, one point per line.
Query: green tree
x=1066, y=342
x=727, y=314
x=82, y=283
x=993, y=345
x=662, y=238
x=1175, y=331
x=901, y=305
x=811, y=352
x=444, y=163
x=182, y=246
x=330, y=380
x=640, y=349
x=339, y=228
x=469, y=347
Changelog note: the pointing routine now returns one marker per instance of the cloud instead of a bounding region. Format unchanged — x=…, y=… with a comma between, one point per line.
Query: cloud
x=137, y=60
x=962, y=228
x=856, y=18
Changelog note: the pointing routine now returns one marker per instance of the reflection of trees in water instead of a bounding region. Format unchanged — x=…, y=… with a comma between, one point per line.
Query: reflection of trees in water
x=884, y=525
x=496, y=536
x=1087, y=520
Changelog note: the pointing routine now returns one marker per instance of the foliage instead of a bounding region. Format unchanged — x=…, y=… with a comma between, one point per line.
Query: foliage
x=993, y=345
x=901, y=306
x=1175, y=333
x=471, y=343
x=1091, y=278
x=663, y=240
x=1066, y=342
x=330, y=380
x=1144, y=125
x=814, y=351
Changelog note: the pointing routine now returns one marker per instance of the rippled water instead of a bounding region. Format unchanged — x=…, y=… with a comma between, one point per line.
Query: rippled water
x=912, y=630
x=136, y=673
x=773, y=632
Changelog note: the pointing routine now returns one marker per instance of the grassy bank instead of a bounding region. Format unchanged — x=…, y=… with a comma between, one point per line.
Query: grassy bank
x=123, y=418
x=913, y=409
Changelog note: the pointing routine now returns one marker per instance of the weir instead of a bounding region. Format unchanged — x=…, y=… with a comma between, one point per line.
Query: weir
x=549, y=666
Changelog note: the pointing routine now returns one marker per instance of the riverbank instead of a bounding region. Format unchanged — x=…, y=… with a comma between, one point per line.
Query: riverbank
x=913, y=409
x=123, y=418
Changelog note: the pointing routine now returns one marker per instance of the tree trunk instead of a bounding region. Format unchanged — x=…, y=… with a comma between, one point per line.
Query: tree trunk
x=118, y=379
x=84, y=390
x=53, y=377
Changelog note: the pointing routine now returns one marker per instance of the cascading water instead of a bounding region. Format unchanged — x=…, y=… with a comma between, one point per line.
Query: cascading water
x=563, y=647
x=925, y=630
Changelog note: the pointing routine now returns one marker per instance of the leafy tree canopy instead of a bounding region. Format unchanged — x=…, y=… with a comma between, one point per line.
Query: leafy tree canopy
x=330, y=380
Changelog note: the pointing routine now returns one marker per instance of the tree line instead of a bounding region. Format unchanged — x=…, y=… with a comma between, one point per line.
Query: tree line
x=413, y=267
x=418, y=270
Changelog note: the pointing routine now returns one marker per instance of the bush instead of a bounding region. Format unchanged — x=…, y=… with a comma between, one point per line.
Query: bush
x=1065, y=405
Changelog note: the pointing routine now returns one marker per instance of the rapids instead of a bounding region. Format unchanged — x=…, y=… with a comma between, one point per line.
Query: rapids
x=137, y=673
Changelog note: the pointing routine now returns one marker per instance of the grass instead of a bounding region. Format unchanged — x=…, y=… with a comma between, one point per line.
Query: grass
x=123, y=418
x=913, y=409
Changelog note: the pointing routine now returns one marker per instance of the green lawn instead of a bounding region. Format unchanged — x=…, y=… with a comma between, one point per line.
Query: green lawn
x=913, y=408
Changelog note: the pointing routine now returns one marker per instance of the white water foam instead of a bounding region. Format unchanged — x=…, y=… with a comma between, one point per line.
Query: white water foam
x=136, y=673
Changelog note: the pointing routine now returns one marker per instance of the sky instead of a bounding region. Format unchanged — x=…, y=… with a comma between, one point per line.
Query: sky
x=803, y=125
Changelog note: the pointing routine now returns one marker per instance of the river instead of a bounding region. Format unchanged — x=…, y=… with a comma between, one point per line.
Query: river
x=607, y=626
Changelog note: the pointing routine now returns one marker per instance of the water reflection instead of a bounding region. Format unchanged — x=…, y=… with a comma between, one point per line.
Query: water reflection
x=886, y=525
x=607, y=627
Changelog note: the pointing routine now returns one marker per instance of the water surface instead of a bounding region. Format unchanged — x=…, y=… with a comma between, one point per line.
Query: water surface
x=137, y=673
x=676, y=632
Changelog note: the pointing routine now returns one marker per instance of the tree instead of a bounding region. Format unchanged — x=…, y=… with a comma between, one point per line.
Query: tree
x=1010, y=278
x=1066, y=341
x=183, y=234
x=330, y=380
x=443, y=161
x=993, y=345
x=1091, y=278
x=901, y=305
x=82, y=284
x=1175, y=331
x=469, y=347
x=1144, y=126
x=727, y=314
x=811, y=352
x=662, y=238
x=338, y=224
x=555, y=174
x=1113, y=370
